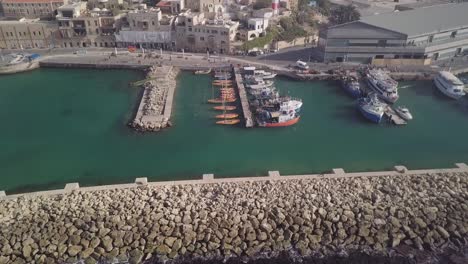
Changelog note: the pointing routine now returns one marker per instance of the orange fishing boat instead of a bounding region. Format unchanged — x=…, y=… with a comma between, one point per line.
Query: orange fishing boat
x=225, y=108
x=228, y=122
x=221, y=100
x=222, y=81
x=227, y=116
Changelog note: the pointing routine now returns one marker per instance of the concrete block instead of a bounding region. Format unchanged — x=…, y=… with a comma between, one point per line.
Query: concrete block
x=338, y=171
x=2, y=194
x=461, y=165
x=274, y=174
x=208, y=177
x=400, y=168
x=141, y=181
x=71, y=186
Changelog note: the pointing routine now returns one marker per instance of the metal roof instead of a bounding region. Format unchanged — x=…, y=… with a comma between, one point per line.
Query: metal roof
x=422, y=21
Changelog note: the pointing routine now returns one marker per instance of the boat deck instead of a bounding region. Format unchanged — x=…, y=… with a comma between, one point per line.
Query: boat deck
x=243, y=98
x=394, y=117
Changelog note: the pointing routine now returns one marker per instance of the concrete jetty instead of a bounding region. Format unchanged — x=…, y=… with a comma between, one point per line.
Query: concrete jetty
x=243, y=97
x=155, y=106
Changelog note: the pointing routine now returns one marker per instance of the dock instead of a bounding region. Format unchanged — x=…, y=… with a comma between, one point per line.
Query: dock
x=155, y=108
x=243, y=98
x=394, y=117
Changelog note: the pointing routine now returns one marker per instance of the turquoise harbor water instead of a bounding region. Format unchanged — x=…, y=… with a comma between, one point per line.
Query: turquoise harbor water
x=62, y=126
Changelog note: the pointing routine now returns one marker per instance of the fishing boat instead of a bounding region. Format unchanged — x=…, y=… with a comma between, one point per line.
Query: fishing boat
x=385, y=87
x=228, y=122
x=372, y=108
x=227, y=116
x=225, y=108
x=202, y=72
x=449, y=84
x=277, y=119
x=404, y=113
x=351, y=85
x=221, y=100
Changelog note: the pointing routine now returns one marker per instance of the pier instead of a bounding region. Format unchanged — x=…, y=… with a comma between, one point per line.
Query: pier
x=155, y=106
x=243, y=98
x=394, y=117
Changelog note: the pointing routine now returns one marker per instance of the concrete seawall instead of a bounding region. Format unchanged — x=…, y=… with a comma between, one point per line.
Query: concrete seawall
x=414, y=214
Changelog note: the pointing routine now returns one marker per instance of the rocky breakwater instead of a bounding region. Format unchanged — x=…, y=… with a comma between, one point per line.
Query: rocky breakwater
x=157, y=91
x=380, y=215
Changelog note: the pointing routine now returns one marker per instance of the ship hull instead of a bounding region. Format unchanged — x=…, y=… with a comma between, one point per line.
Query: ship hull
x=370, y=116
x=283, y=124
x=443, y=90
x=379, y=92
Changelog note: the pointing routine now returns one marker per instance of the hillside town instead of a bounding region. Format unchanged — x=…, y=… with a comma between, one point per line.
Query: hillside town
x=215, y=26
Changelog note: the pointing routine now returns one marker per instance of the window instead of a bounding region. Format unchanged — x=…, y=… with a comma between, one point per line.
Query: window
x=97, y=31
x=19, y=34
x=89, y=23
x=202, y=38
x=189, y=20
x=214, y=31
x=152, y=23
x=190, y=29
x=431, y=38
x=454, y=34
x=95, y=23
x=39, y=33
x=34, y=33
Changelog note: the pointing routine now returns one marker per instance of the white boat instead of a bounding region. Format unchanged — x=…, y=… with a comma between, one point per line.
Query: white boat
x=291, y=104
x=260, y=85
x=449, y=84
x=404, y=113
x=385, y=87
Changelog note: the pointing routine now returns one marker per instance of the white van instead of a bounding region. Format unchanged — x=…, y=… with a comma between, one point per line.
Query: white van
x=302, y=65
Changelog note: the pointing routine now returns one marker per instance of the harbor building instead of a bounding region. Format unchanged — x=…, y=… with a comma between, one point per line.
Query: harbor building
x=256, y=27
x=44, y=9
x=145, y=28
x=79, y=27
x=195, y=33
x=418, y=36
x=26, y=34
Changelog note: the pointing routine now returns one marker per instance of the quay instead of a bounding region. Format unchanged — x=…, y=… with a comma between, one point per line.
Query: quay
x=155, y=108
x=243, y=98
x=394, y=117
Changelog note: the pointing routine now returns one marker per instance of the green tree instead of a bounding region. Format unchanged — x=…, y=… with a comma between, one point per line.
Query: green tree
x=324, y=7
x=345, y=14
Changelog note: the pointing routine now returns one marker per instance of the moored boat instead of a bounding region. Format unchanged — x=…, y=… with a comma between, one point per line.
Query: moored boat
x=260, y=85
x=227, y=116
x=277, y=119
x=225, y=108
x=385, y=87
x=351, y=85
x=449, y=85
x=221, y=100
x=371, y=108
x=202, y=71
x=404, y=113
x=228, y=122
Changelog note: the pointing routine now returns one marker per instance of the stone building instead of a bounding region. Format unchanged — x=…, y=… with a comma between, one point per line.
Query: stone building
x=31, y=8
x=195, y=33
x=173, y=7
x=413, y=36
x=27, y=33
x=107, y=4
x=80, y=27
x=145, y=28
x=211, y=8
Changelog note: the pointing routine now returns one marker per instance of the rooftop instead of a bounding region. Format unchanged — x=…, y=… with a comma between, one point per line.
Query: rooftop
x=422, y=21
x=31, y=1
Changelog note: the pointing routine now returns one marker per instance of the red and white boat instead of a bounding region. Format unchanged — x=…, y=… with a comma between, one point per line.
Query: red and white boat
x=278, y=119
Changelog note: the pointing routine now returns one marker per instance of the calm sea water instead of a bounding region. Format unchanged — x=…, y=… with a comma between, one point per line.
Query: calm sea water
x=62, y=126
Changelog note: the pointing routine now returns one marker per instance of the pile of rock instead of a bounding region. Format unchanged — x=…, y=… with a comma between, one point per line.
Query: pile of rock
x=150, y=116
x=245, y=219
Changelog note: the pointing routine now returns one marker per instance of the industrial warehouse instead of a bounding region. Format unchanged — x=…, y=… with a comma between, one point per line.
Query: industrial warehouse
x=417, y=37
